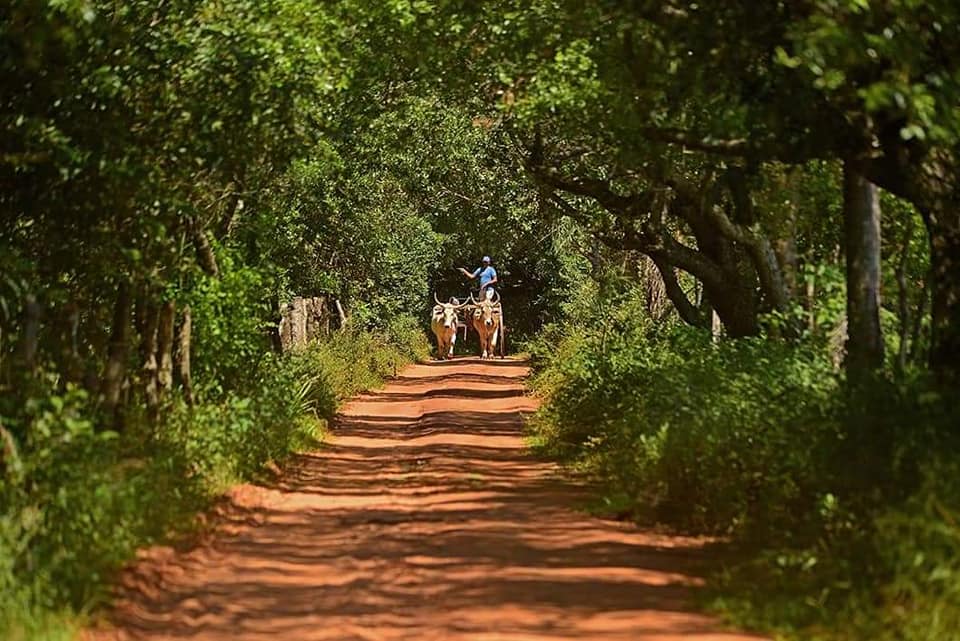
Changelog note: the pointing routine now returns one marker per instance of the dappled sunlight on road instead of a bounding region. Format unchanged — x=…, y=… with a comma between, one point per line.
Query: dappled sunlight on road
x=422, y=518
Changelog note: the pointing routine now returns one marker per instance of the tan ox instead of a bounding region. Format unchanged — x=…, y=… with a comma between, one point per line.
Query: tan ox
x=486, y=317
x=444, y=324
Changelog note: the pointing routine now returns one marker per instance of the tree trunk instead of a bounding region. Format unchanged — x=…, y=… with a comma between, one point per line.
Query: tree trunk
x=115, y=369
x=276, y=328
x=148, y=318
x=183, y=354
x=341, y=313
x=297, y=323
x=655, y=286
x=747, y=233
x=671, y=287
x=944, y=228
x=31, y=332
x=736, y=306
x=903, y=297
x=205, y=256
x=165, y=346
x=861, y=208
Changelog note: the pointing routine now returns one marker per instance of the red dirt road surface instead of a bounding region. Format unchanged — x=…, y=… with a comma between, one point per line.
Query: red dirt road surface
x=422, y=518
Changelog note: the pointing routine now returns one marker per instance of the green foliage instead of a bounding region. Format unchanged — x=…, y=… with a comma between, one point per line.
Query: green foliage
x=918, y=545
x=230, y=315
x=355, y=234
x=75, y=503
x=690, y=432
x=231, y=155
x=842, y=504
x=452, y=168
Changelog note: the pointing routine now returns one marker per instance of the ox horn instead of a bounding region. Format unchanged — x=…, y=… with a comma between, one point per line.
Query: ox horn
x=436, y=299
x=472, y=301
x=497, y=300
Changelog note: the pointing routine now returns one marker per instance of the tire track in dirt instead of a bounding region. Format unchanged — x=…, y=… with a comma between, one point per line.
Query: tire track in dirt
x=422, y=518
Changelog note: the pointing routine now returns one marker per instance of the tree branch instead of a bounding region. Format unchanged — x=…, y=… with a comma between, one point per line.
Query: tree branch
x=738, y=147
x=599, y=190
x=757, y=244
x=657, y=244
x=734, y=147
x=687, y=311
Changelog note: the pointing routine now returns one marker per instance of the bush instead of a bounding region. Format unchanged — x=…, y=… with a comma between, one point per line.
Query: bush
x=229, y=337
x=918, y=546
x=703, y=436
x=76, y=502
x=354, y=360
x=843, y=504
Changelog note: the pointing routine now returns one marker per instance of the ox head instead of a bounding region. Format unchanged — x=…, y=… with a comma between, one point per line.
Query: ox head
x=487, y=311
x=446, y=313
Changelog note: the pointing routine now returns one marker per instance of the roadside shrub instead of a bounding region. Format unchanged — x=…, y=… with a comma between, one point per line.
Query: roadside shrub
x=405, y=334
x=918, y=545
x=230, y=337
x=842, y=504
x=701, y=435
x=77, y=501
x=353, y=360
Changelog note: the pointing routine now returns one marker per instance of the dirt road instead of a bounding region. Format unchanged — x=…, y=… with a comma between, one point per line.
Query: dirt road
x=423, y=518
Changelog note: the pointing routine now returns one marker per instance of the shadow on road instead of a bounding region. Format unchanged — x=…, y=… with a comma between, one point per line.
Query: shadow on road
x=423, y=518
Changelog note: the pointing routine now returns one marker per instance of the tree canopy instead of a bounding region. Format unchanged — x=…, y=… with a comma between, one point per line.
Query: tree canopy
x=173, y=174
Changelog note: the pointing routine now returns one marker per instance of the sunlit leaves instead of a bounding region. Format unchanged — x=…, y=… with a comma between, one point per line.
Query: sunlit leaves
x=891, y=59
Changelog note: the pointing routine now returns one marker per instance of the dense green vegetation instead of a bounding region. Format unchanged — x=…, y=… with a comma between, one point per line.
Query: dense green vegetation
x=169, y=180
x=841, y=510
x=694, y=209
x=78, y=499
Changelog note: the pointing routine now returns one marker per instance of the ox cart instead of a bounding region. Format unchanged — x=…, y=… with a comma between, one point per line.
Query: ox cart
x=486, y=316
x=471, y=308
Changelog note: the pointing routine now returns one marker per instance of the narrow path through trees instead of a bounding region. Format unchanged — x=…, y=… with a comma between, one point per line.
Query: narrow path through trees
x=422, y=518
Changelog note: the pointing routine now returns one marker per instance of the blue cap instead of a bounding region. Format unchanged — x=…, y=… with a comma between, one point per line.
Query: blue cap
x=486, y=259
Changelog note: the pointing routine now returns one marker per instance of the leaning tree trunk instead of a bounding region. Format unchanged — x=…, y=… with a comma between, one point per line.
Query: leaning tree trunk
x=670, y=286
x=861, y=208
x=115, y=370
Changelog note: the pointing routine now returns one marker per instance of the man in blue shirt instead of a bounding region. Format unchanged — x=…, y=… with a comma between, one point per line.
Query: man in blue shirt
x=487, y=275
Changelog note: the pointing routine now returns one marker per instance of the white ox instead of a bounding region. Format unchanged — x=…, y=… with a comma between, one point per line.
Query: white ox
x=444, y=324
x=487, y=316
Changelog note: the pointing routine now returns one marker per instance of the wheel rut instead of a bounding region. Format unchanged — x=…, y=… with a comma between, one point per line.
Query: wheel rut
x=422, y=518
